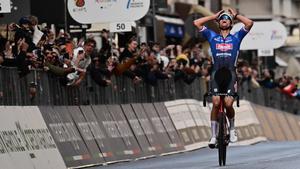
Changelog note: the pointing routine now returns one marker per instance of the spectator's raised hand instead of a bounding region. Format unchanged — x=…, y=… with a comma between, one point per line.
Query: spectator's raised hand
x=22, y=45
x=8, y=50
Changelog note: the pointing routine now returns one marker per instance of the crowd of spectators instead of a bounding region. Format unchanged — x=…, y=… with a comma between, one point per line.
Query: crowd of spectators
x=148, y=62
x=285, y=84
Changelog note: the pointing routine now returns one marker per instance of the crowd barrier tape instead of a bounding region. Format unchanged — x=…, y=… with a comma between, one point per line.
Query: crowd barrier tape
x=26, y=141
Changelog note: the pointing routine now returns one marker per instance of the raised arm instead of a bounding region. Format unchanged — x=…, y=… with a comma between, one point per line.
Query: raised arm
x=201, y=21
x=246, y=21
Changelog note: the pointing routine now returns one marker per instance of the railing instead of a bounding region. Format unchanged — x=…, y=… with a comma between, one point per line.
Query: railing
x=49, y=91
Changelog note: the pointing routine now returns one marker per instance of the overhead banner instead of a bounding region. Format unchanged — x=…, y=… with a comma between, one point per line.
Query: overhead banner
x=106, y=11
x=263, y=35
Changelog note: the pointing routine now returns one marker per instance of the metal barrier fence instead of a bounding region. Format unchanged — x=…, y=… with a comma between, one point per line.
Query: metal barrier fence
x=16, y=91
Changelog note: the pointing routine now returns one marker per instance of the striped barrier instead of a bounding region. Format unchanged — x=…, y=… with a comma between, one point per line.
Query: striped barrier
x=82, y=136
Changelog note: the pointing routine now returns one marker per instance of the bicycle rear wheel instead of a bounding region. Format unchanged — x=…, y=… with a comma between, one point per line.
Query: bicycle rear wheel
x=222, y=140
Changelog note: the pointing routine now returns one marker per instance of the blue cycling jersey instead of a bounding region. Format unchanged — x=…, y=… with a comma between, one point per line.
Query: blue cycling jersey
x=224, y=50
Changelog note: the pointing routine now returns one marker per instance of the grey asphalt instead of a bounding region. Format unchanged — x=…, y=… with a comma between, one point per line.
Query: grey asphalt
x=266, y=155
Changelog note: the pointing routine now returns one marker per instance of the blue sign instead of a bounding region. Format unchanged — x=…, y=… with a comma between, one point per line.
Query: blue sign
x=174, y=30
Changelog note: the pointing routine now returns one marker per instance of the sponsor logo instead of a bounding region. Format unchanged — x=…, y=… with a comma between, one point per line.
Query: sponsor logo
x=224, y=46
x=275, y=35
x=106, y=4
x=134, y=4
x=218, y=39
x=79, y=3
x=223, y=54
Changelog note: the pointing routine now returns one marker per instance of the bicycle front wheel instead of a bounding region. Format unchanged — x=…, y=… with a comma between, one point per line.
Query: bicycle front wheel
x=221, y=140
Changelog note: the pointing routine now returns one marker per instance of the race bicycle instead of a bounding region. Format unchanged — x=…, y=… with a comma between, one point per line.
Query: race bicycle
x=223, y=133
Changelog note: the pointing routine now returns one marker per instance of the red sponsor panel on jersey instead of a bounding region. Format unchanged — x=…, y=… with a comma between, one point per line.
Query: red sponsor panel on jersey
x=224, y=46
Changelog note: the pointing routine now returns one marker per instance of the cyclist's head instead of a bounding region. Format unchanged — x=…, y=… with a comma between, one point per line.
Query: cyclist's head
x=225, y=21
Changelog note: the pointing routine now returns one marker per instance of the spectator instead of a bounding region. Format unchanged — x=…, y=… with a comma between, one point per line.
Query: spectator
x=127, y=61
x=105, y=51
x=268, y=80
x=24, y=31
x=81, y=60
x=101, y=74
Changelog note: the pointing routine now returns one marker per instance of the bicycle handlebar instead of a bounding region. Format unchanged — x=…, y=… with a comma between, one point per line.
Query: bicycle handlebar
x=221, y=94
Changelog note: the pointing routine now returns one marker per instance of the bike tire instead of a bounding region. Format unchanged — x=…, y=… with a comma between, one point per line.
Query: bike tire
x=221, y=140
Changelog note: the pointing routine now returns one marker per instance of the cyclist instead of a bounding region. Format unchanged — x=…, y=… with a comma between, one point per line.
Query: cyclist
x=224, y=47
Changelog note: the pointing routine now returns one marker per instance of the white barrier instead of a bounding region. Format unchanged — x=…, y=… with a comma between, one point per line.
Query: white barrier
x=26, y=141
x=187, y=114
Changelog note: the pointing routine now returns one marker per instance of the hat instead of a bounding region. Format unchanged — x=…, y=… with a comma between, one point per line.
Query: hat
x=24, y=20
x=225, y=15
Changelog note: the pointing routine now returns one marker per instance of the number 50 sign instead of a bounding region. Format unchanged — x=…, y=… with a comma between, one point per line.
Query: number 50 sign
x=120, y=26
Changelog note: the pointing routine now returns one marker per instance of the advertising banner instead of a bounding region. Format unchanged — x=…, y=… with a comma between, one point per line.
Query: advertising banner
x=106, y=11
x=183, y=121
x=159, y=128
x=104, y=143
x=137, y=129
x=105, y=119
x=87, y=135
x=263, y=35
x=148, y=129
x=66, y=136
x=133, y=149
x=169, y=126
x=26, y=141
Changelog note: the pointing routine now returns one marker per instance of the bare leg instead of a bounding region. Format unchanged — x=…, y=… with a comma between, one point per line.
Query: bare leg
x=229, y=110
x=213, y=115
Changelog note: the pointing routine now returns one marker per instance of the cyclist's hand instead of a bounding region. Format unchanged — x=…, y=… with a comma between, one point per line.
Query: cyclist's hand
x=232, y=12
x=218, y=14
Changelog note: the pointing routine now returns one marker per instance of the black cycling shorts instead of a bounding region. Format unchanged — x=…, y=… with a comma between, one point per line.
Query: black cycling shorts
x=223, y=81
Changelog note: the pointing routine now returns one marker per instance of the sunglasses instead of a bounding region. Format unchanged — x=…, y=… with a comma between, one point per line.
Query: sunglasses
x=225, y=17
